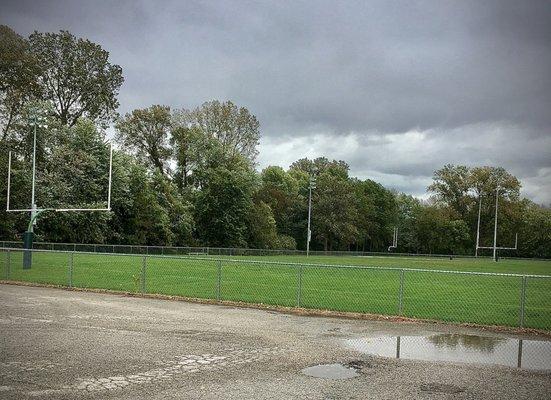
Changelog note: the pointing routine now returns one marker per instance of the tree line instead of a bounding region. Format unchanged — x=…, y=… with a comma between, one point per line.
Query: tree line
x=188, y=177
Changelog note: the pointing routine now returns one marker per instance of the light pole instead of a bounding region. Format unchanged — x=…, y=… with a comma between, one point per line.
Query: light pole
x=495, y=225
x=33, y=204
x=478, y=225
x=311, y=186
x=28, y=236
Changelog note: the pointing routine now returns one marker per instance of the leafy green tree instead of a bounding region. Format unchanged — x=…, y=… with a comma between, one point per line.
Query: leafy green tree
x=262, y=227
x=224, y=203
x=462, y=189
x=321, y=165
x=18, y=78
x=451, y=186
x=409, y=209
x=334, y=210
x=146, y=133
x=236, y=129
x=189, y=146
x=74, y=175
x=286, y=242
x=438, y=232
x=377, y=214
x=75, y=75
x=138, y=216
x=535, y=234
x=178, y=208
x=280, y=190
x=485, y=180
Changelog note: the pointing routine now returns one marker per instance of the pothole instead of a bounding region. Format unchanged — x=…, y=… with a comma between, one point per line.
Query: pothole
x=441, y=388
x=331, y=371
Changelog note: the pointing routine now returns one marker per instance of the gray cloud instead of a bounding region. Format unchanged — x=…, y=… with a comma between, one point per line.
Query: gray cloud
x=396, y=88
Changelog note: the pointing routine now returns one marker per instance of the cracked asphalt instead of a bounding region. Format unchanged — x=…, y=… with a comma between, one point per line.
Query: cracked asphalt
x=59, y=344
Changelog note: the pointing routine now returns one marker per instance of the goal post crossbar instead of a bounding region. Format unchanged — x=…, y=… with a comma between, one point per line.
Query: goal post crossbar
x=33, y=209
x=501, y=248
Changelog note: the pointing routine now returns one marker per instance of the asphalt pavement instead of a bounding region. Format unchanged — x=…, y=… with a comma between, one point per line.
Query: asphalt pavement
x=61, y=344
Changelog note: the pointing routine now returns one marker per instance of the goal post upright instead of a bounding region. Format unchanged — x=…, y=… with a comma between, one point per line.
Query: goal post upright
x=495, y=247
x=28, y=235
x=394, y=244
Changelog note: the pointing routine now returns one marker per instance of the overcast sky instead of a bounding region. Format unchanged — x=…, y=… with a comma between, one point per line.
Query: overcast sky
x=395, y=88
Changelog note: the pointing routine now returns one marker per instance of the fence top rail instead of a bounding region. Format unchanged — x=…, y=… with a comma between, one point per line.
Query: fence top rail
x=281, y=263
x=260, y=251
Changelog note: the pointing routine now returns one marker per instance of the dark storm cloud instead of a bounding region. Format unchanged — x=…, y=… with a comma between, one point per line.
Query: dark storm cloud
x=395, y=88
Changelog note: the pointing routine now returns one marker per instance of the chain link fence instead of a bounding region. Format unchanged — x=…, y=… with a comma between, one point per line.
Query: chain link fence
x=210, y=251
x=452, y=296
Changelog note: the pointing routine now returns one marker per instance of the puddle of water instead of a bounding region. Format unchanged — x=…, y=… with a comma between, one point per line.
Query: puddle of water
x=330, y=371
x=527, y=354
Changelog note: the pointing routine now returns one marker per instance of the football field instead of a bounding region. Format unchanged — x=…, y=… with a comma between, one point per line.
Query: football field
x=466, y=290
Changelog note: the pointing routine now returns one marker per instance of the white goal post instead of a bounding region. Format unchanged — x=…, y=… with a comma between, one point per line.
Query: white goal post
x=35, y=209
x=394, y=240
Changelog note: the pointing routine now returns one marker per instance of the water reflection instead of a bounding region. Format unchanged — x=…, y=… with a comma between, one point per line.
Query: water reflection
x=528, y=354
x=484, y=344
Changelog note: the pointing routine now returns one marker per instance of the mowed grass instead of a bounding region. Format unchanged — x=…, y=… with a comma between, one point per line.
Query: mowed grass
x=300, y=281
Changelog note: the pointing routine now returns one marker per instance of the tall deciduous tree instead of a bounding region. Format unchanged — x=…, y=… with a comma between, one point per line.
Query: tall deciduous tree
x=377, y=214
x=262, y=227
x=236, y=128
x=451, y=186
x=18, y=78
x=146, y=132
x=280, y=190
x=76, y=77
x=223, y=205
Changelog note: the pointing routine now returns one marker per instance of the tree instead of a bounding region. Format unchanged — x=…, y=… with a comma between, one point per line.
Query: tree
x=438, y=232
x=535, y=234
x=235, y=128
x=280, y=190
x=74, y=174
x=377, y=214
x=262, y=227
x=223, y=205
x=178, y=209
x=333, y=206
x=146, y=133
x=186, y=144
x=320, y=166
x=485, y=180
x=451, y=186
x=148, y=222
x=138, y=215
x=409, y=210
x=18, y=78
x=75, y=75
x=335, y=213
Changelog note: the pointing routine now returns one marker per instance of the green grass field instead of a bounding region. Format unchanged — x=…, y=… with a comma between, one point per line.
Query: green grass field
x=453, y=297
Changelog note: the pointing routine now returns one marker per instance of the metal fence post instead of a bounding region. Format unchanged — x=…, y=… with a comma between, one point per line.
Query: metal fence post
x=71, y=256
x=219, y=281
x=299, y=286
x=522, y=301
x=8, y=265
x=142, y=280
x=401, y=293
